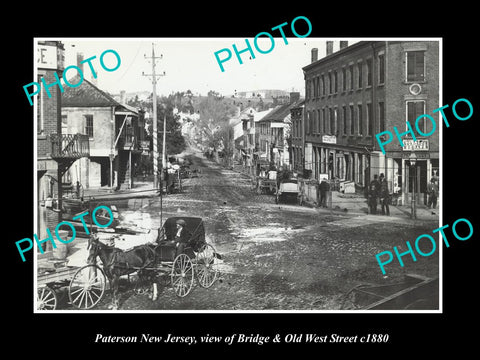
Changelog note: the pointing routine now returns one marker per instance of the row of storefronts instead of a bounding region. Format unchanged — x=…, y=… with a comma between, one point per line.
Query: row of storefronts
x=359, y=91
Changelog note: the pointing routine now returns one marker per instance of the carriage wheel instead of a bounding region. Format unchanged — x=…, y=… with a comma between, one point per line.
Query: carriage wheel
x=206, y=266
x=87, y=287
x=182, y=275
x=46, y=299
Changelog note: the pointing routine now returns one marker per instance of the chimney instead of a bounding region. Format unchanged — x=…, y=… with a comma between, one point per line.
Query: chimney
x=122, y=97
x=314, y=54
x=343, y=44
x=294, y=96
x=329, y=48
x=79, y=61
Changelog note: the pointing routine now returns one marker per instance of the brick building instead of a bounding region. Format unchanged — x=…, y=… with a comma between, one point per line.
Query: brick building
x=55, y=151
x=363, y=89
x=273, y=131
x=297, y=138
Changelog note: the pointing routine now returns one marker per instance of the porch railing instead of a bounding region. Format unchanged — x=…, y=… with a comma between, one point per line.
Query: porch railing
x=69, y=145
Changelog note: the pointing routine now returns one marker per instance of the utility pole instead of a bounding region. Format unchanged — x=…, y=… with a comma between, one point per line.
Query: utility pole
x=153, y=75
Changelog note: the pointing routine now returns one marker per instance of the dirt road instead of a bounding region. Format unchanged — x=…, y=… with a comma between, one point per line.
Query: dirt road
x=277, y=257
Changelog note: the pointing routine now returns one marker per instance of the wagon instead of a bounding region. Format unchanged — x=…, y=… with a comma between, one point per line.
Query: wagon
x=173, y=181
x=266, y=186
x=288, y=190
x=85, y=286
x=198, y=260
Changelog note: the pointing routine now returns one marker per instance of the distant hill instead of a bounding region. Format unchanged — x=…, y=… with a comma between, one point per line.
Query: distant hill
x=264, y=93
x=142, y=95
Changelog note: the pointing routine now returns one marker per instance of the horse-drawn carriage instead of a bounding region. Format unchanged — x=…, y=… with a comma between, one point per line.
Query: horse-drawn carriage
x=183, y=259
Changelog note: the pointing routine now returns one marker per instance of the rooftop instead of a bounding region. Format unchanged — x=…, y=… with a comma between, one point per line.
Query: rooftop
x=281, y=112
x=88, y=95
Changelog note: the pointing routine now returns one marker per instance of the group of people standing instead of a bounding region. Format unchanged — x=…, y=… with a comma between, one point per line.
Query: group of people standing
x=378, y=189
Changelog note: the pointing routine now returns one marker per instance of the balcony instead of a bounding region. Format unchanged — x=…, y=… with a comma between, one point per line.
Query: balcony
x=69, y=146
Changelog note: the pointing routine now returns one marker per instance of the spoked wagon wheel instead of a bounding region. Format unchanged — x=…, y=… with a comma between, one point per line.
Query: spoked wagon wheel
x=46, y=299
x=182, y=275
x=206, y=266
x=87, y=287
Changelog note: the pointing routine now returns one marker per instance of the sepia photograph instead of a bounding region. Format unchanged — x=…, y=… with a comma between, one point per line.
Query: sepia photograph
x=281, y=173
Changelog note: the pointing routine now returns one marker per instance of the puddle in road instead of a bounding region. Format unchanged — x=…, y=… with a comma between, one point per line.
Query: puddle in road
x=263, y=234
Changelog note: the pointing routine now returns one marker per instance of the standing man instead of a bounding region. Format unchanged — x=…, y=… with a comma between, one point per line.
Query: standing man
x=373, y=190
x=432, y=190
x=324, y=188
x=384, y=195
x=79, y=191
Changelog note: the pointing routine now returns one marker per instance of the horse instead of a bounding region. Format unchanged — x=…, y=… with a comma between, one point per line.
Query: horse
x=117, y=262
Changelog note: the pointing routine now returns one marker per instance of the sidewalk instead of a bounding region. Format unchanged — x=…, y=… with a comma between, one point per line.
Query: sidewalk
x=140, y=189
x=355, y=203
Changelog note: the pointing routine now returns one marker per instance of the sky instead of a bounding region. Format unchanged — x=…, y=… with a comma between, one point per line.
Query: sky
x=190, y=63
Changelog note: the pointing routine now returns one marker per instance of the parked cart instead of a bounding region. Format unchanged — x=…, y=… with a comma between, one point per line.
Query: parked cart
x=85, y=286
x=289, y=191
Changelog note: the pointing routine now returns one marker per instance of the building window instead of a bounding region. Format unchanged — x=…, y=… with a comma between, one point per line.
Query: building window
x=360, y=75
x=381, y=69
x=369, y=72
x=318, y=121
x=351, y=77
x=415, y=65
x=89, y=125
x=323, y=85
x=344, y=120
x=414, y=110
x=333, y=121
x=64, y=124
x=330, y=88
x=352, y=120
x=335, y=79
x=360, y=120
x=344, y=79
x=324, y=121
x=381, y=116
x=369, y=119
x=318, y=86
x=309, y=124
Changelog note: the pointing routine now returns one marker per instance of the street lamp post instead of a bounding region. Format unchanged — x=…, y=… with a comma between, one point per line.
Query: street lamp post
x=413, y=162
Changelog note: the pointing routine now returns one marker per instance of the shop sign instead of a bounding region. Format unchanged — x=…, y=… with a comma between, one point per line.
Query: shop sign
x=145, y=145
x=329, y=139
x=419, y=145
x=50, y=57
x=425, y=155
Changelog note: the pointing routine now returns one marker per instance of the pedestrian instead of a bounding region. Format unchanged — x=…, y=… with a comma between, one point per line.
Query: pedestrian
x=79, y=191
x=373, y=191
x=432, y=190
x=324, y=188
x=384, y=195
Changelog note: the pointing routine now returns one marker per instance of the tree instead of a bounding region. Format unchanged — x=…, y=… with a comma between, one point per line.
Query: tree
x=213, y=124
x=175, y=143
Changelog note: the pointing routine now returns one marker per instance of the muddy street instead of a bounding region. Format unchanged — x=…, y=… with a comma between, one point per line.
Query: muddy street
x=274, y=257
